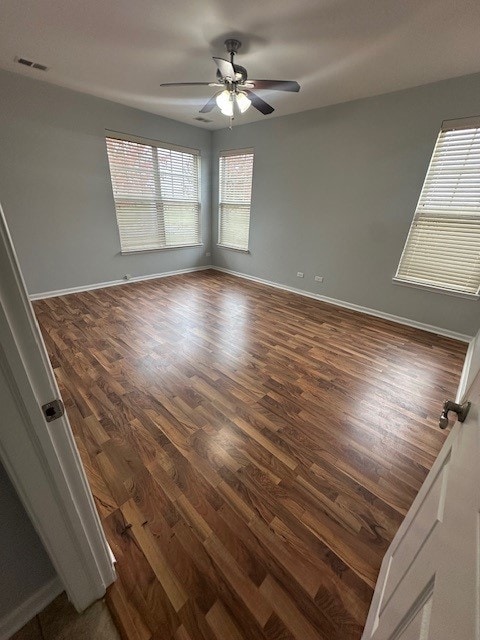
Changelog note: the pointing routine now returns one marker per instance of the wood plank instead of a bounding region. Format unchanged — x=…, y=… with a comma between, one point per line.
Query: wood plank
x=287, y=611
x=251, y=452
x=222, y=624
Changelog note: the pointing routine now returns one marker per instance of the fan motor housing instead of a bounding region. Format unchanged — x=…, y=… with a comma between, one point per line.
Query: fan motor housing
x=240, y=71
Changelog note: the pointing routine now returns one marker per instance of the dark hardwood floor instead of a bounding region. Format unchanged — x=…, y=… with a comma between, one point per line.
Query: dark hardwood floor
x=251, y=452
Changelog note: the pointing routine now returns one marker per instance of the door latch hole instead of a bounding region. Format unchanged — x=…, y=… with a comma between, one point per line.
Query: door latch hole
x=53, y=410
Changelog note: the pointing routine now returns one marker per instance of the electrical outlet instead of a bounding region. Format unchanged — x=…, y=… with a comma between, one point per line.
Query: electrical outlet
x=127, y=276
x=318, y=278
x=299, y=274
x=208, y=254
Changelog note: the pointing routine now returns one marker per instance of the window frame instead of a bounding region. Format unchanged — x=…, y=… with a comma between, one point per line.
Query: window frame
x=447, y=125
x=117, y=135
x=229, y=153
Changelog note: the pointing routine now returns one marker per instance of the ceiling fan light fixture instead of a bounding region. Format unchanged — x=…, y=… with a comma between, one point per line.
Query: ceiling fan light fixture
x=225, y=102
x=243, y=101
x=228, y=110
x=238, y=89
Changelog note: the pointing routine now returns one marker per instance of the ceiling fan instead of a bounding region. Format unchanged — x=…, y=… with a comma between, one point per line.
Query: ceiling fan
x=236, y=88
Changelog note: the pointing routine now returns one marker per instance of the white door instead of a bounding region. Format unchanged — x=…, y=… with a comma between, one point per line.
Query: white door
x=428, y=587
x=40, y=456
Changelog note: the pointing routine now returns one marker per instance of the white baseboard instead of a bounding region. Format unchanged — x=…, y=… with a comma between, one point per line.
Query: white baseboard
x=354, y=307
x=315, y=296
x=15, y=620
x=113, y=283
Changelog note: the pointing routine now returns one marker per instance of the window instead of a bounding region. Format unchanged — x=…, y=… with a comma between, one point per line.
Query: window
x=156, y=193
x=235, y=193
x=442, y=250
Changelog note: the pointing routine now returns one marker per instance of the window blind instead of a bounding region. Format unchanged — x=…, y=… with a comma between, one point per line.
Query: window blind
x=443, y=246
x=156, y=193
x=235, y=193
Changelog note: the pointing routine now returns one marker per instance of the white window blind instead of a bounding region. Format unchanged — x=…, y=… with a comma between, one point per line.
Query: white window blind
x=442, y=250
x=235, y=194
x=156, y=193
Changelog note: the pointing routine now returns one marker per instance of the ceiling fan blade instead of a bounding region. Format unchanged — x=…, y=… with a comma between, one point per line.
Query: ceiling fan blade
x=185, y=84
x=277, y=85
x=259, y=104
x=210, y=104
x=225, y=67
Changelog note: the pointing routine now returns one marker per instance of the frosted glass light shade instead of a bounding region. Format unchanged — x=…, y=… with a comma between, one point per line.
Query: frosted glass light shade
x=243, y=101
x=225, y=102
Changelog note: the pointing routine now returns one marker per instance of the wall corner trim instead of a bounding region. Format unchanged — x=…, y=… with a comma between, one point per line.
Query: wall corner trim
x=16, y=619
x=114, y=283
x=354, y=307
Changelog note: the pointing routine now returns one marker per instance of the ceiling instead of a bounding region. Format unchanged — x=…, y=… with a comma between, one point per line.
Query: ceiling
x=338, y=50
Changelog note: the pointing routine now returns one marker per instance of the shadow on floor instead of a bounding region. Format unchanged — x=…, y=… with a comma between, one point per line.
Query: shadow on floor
x=60, y=621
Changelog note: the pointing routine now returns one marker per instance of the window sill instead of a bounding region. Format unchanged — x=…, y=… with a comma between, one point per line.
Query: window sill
x=225, y=246
x=177, y=246
x=433, y=289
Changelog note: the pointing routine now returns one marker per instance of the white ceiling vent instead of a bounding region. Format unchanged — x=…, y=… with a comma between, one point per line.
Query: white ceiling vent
x=30, y=63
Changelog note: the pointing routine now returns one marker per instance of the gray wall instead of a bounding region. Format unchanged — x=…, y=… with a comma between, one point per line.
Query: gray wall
x=334, y=194
x=24, y=564
x=55, y=186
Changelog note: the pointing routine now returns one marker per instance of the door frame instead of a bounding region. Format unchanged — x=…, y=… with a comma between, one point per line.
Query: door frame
x=470, y=367
x=41, y=458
